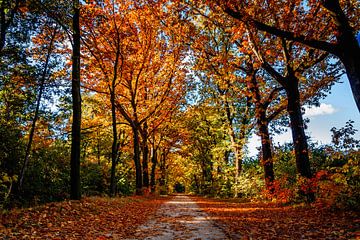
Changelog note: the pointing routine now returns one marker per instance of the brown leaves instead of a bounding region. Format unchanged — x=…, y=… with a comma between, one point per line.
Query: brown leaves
x=90, y=218
x=273, y=221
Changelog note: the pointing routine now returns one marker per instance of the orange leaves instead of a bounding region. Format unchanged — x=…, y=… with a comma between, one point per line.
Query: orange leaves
x=273, y=221
x=90, y=218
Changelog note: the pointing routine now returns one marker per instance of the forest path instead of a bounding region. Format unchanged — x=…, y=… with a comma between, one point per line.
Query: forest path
x=180, y=218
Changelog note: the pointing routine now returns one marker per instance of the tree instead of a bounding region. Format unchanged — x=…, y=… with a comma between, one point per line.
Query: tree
x=215, y=66
x=138, y=59
x=76, y=106
x=335, y=32
x=297, y=66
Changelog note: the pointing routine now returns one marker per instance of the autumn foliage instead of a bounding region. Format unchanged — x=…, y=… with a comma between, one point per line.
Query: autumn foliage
x=148, y=97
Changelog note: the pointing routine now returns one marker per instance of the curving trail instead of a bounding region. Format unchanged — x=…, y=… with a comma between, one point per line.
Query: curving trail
x=180, y=218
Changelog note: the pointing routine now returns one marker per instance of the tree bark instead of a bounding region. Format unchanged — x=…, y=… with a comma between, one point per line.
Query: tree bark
x=145, y=156
x=76, y=98
x=114, y=147
x=348, y=49
x=298, y=134
x=297, y=129
x=138, y=172
x=263, y=126
x=267, y=158
x=153, y=170
x=162, y=180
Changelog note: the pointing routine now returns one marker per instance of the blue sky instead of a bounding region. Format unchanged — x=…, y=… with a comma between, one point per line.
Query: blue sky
x=337, y=108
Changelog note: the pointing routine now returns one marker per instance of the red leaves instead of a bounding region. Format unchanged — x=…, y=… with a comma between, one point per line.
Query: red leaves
x=90, y=218
x=273, y=221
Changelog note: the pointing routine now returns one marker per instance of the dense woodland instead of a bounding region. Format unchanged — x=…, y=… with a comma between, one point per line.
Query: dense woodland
x=122, y=97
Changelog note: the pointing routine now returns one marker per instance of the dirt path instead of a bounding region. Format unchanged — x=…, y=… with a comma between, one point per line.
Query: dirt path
x=180, y=218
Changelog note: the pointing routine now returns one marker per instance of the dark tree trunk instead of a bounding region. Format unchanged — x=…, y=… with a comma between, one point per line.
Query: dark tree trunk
x=267, y=159
x=114, y=147
x=138, y=171
x=153, y=169
x=298, y=133
x=98, y=148
x=162, y=180
x=297, y=130
x=145, y=157
x=36, y=115
x=145, y=166
x=263, y=126
x=347, y=47
x=76, y=98
x=351, y=59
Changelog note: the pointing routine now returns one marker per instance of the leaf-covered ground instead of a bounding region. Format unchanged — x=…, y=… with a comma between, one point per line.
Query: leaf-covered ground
x=273, y=221
x=90, y=218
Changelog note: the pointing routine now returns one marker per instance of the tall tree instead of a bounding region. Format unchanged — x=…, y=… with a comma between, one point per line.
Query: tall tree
x=75, y=192
x=290, y=65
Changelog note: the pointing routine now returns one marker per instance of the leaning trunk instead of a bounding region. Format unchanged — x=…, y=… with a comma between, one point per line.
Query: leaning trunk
x=36, y=116
x=351, y=60
x=76, y=104
x=347, y=47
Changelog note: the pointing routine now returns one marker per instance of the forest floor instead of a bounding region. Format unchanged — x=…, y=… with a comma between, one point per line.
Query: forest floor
x=177, y=217
x=90, y=218
x=276, y=221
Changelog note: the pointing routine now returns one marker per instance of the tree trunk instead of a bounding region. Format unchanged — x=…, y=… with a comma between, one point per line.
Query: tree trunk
x=263, y=126
x=36, y=115
x=298, y=133
x=237, y=154
x=76, y=103
x=351, y=60
x=162, y=180
x=98, y=148
x=297, y=130
x=153, y=169
x=137, y=161
x=145, y=157
x=267, y=159
x=348, y=49
x=235, y=147
x=114, y=147
x=145, y=166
